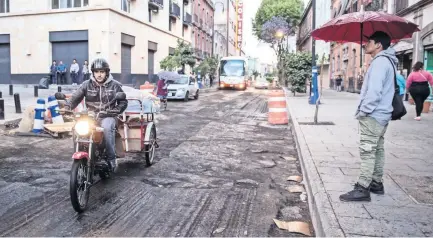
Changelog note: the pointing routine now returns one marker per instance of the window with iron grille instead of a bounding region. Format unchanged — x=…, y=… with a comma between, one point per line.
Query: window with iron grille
x=375, y=5
x=355, y=6
x=354, y=62
x=59, y=4
x=4, y=6
x=126, y=5
x=338, y=63
x=333, y=64
x=401, y=5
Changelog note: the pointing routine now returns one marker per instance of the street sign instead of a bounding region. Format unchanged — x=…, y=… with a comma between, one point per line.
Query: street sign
x=314, y=70
x=239, y=23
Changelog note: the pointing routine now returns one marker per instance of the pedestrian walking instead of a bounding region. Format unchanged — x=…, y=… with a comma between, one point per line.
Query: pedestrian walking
x=53, y=73
x=418, y=85
x=86, y=73
x=338, y=83
x=75, y=68
x=61, y=71
x=401, y=84
x=374, y=113
x=211, y=80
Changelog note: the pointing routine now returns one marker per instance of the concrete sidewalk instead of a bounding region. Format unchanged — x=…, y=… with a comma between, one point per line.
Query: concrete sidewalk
x=331, y=162
x=26, y=97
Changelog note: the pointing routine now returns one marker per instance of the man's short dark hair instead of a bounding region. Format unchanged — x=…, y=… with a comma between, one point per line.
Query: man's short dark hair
x=382, y=38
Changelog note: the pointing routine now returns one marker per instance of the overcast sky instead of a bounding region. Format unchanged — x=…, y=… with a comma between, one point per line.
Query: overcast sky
x=252, y=46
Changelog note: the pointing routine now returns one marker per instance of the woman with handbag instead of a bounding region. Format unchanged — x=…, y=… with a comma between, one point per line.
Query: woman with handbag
x=418, y=85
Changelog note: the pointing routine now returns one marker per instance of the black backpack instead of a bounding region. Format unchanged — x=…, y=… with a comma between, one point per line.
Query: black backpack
x=399, y=110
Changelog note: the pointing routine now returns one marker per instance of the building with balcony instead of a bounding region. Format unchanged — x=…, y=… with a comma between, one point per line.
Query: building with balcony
x=420, y=46
x=225, y=17
x=345, y=58
x=220, y=44
x=304, y=40
x=133, y=35
x=202, y=32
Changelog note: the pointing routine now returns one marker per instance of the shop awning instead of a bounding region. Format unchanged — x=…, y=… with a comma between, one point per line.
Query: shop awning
x=403, y=46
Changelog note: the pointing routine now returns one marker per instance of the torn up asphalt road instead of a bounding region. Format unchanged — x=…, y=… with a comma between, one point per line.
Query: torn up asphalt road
x=219, y=171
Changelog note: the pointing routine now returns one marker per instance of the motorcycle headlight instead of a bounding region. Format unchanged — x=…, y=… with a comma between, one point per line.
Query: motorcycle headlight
x=82, y=128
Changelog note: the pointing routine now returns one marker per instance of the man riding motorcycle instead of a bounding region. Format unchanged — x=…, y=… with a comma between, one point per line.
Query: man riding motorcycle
x=98, y=91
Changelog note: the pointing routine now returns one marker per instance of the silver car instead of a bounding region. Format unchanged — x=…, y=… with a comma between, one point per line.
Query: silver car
x=261, y=84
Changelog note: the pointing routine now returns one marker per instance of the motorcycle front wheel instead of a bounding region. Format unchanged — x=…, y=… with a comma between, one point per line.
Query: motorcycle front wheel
x=77, y=186
x=150, y=148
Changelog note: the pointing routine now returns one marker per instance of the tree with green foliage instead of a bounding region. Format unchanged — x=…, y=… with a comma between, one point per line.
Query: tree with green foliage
x=183, y=55
x=274, y=22
x=298, y=68
x=208, y=66
x=255, y=74
x=289, y=10
x=203, y=68
x=169, y=63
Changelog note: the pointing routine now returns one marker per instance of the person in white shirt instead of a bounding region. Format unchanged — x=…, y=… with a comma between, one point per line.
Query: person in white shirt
x=86, y=72
x=75, y=68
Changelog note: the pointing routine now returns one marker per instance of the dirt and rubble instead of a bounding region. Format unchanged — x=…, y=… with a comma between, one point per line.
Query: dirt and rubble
x=221, y=170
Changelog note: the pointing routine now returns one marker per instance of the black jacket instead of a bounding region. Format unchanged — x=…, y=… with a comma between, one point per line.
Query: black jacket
x=97, y=96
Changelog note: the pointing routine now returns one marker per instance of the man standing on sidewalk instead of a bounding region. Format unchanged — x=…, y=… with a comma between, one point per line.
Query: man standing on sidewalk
x=374, y=113
x=75, y=68
x=61, y=70
x=53, y=73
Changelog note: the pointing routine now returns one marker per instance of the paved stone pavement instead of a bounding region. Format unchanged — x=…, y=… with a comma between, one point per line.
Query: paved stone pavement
x=26, y=97
x=331, y=162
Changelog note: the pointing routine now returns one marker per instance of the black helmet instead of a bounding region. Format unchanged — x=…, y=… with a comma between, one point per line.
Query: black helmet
x=100, y=64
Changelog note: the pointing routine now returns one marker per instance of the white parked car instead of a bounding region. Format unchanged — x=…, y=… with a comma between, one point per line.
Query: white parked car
x=261, y=83
x=183, y=87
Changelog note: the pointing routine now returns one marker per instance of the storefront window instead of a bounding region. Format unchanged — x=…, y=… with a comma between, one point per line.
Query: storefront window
x=428, y=60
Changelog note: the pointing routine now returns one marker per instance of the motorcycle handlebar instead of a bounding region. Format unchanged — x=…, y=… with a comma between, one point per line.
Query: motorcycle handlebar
x=110, y=112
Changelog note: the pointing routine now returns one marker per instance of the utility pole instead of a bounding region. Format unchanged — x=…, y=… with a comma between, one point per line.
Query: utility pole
x=314, y=92
x=228, y=23
x=313, y=27
x=213, y=38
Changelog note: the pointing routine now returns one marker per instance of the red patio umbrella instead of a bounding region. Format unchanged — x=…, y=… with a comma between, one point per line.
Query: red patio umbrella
x=356, y=27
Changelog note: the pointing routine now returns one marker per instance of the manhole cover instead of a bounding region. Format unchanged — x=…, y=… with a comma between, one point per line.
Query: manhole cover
x=320, y=123
x=419, y=188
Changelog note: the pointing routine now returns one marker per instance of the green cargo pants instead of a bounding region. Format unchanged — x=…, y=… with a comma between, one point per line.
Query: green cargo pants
x=372, y=150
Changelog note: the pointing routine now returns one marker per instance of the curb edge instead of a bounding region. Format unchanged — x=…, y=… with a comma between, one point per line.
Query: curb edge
x=324, y=220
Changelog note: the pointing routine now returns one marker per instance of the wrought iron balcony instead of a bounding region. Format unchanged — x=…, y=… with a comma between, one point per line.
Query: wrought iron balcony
x=375, y=5
x=401, y=5
x=208, y=30
x=156, y=4
x=187, y=19
x=198, y=53
x=174, y=10
x=195, y=22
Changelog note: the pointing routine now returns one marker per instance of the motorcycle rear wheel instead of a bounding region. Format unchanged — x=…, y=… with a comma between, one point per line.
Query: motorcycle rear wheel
x=77, y=189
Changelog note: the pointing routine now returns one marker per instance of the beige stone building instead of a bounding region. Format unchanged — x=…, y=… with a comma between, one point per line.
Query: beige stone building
x=305, y=40
x=133, y=35
x=420, y=46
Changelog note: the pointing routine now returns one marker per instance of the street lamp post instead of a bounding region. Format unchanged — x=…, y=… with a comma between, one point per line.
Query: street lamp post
x=280, y=36
x=314, y=91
